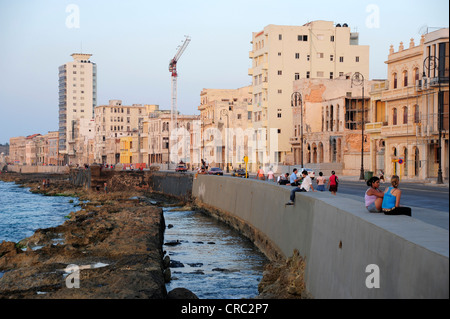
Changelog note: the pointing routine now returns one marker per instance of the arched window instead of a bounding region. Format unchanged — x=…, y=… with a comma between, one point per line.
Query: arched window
x=405, y=115
x=416, y=74
x=394, y=80
x=405, y=78
x=394, y=116
x=416, y=113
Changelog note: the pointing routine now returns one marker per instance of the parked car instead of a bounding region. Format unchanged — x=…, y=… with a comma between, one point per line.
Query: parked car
x=240, y=172
x=181, y=168
x=215, y=171
x=311, y=173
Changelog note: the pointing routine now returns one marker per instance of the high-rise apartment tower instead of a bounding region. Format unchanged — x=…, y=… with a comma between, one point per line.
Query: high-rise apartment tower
x=77, y=99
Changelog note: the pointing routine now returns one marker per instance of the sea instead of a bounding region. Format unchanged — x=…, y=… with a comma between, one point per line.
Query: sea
x=23, y=212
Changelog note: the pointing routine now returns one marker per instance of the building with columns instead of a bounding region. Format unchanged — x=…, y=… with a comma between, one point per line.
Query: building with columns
x=404, y=119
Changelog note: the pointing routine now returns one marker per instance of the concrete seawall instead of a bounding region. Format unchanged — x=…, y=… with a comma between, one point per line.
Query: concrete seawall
x=344, y=246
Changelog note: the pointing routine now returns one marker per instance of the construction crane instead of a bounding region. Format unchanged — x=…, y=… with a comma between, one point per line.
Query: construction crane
x=173, y=70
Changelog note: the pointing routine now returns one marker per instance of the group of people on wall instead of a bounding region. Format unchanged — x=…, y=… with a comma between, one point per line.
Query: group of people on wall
x=376, y=201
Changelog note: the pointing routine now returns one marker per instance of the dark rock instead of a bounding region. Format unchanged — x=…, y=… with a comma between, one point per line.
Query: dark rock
x=173, y=243
x=195, y=264
x=166, y=261
x=181, y=293
x=175, y=264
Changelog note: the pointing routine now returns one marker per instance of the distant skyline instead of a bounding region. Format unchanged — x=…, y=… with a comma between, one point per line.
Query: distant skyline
x=133, y=41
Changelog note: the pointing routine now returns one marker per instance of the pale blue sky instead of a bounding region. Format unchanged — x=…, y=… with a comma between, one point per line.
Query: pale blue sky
x=132, y=42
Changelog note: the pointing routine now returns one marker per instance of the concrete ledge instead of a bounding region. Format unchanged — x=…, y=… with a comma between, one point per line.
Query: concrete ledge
x=27, y=169
x=338, y=239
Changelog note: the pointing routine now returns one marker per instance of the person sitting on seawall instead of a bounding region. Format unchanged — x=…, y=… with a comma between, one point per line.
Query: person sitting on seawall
x=305, y=187
x=391, y=199
x=293, y=180
x=374, y=196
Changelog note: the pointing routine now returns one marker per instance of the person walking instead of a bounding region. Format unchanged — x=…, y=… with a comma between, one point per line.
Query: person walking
x=321, y=182
x=391, y=199
x=270, y=176
x=374, y=196
x=333, y=182
x=260, y=174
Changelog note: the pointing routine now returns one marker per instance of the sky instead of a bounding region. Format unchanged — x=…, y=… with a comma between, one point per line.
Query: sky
x=133, y=41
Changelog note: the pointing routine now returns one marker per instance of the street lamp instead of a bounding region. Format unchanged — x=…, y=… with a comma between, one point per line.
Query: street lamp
x=431, y=63
x=358, y=79
x=224, y=112
x=296, y=99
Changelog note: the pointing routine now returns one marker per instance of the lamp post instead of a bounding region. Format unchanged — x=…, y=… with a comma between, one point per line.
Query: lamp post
x=224, y=112
x=431, y=63
x=358, y=79
x=296, y=99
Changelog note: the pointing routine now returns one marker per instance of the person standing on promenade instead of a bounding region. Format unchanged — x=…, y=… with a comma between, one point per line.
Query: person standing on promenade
x=333, y=182
x=374, y=196
x=260, y=174
x=391, y=199
x=270, y=176
x=321, y=182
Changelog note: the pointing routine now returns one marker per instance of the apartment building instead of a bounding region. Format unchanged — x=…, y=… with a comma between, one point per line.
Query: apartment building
x=77, y=98
x=405, y=110
x=158, y=144
x=225, y=116
x=112, y=122
x=334, y=112
x=283, y=54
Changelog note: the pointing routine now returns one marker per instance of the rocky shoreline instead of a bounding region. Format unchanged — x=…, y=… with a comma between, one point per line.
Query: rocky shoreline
x=116, y=242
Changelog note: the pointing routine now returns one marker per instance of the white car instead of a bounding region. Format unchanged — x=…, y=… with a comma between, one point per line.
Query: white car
x=311, y=173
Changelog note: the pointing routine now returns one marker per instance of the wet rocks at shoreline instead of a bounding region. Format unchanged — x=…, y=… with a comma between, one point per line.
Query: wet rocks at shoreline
x=121, y=234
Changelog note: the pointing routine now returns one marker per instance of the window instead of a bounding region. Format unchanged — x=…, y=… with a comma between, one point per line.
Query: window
x=280, y=37
x=341, y=59
x=405, y=78
x=279, y=131
x=280, y=72
x=332, y=38
x=308, y=74
x=302, y=38
x=394, y=77
x=331, y=75
x=307, y=57
x=331, y=57
x=297, y=76
x=279, y=53
x=416, y=113
x=279, y=113
x=319, y=55
x=394, y=116
x=357, y=59
x=405, y=115
x=280, y=91
x=297, y=55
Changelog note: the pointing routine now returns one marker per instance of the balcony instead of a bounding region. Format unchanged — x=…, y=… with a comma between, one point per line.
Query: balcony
x=250, y=71
x=294, y=140
x=374, y=127
x=399, y=130
x=380, y=86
